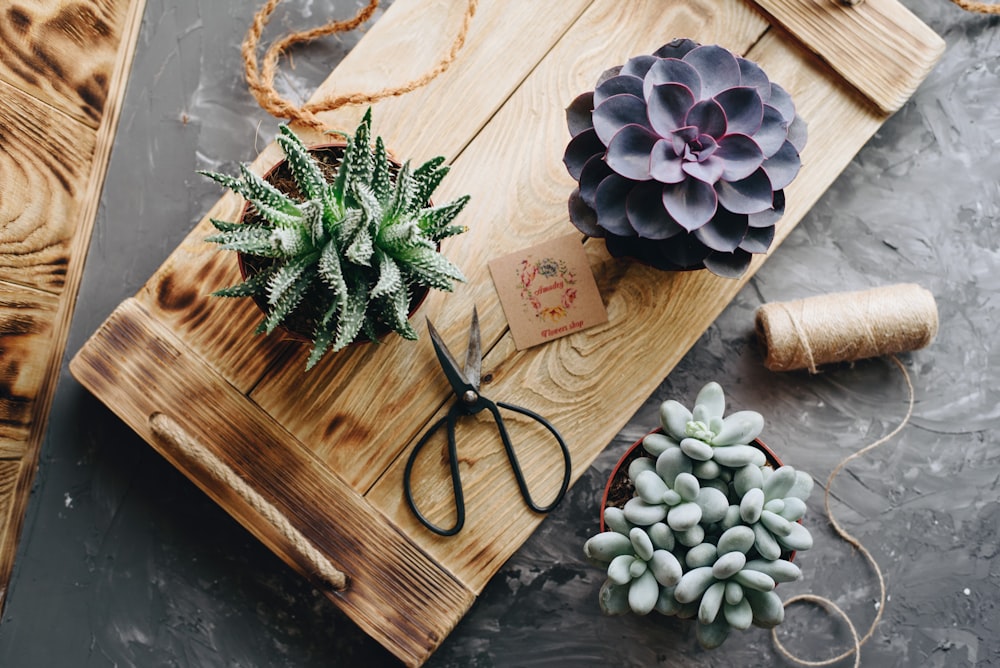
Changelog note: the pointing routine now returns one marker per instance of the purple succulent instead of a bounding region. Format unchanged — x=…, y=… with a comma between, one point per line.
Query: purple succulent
x=682, y=157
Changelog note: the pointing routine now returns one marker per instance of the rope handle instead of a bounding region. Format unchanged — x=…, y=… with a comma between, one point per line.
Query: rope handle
x=169, y=430
x=260, y=77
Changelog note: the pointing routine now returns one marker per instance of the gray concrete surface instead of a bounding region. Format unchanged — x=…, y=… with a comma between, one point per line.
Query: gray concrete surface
x=123, y=562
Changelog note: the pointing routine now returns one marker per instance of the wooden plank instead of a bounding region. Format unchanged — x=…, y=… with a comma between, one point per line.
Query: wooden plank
x=395, y=592
x=45, y=159
x=26, y=323
x=64, y=53
x=53, y=163
x=648, y=310
x=411, y=37
x=10, y=473
x=339, y=423
x=878, y=46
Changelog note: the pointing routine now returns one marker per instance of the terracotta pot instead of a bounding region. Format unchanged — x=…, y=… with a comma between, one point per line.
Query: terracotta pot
x=299, y=326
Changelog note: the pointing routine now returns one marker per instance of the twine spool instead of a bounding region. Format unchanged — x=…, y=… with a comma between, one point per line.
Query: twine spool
x=846, y=326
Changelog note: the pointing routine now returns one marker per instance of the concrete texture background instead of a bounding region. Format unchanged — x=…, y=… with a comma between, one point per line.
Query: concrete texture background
x=123, y=562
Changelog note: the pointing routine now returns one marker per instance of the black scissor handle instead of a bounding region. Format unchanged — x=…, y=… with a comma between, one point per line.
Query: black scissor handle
x=456, y=480
x=512, y=456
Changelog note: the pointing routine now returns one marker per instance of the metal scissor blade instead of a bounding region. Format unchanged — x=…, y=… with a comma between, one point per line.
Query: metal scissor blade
x=459, y=383
x=474, y=355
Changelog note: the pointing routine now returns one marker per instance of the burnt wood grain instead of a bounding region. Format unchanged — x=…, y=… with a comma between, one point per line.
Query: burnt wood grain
x=63, y=68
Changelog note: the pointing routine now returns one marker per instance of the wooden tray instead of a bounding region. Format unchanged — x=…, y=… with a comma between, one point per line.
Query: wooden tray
x=327, y=448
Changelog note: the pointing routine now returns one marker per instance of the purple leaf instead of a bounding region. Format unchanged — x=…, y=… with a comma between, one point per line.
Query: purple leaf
x=580, y=149
x=708, y=170
x=782, y=101
x=611, y=197
x=639, y=65
x=578, y=114
x=718, y=69
x=724, y=233
x=668, y=105
x=647, y=215
x=677, y=48
x=758, y=239
x=595, y=171
x=744, y=109
x=749, y=195
x=684, y=250
x=583, y=217
x=728, y=265
x=672, y=70
x=626, y=84
x=751, y=75
x=741, y=155
x=773, y=132
x=708, y=117
x=768, y=217
x=681, y=137
x=798, y=132
x=628, y=152
x=692, y=203
x=616, y=112
x=665, y=164
x=608, y=74
x=782, y=167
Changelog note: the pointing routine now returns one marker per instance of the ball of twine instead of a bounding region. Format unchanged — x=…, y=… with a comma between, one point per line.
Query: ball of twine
x=846, y=326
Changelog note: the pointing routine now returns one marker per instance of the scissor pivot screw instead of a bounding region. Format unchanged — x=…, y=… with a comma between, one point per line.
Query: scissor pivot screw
x=470, y=397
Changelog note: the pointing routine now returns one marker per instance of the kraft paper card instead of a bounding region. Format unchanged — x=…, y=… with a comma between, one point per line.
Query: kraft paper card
x=547, y=291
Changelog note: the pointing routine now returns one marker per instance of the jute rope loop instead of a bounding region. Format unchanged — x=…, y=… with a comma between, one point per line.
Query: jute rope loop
x=967, y=5
x=260, y=77
x=169, y=430
x=980, y=7
x=855, y=650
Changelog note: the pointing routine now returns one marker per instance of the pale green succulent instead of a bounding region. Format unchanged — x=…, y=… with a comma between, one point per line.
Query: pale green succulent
x=638, y=561
x=724, y=525
x=730, y=589
x=772, y=503
x=347, y=252
x=705, y=435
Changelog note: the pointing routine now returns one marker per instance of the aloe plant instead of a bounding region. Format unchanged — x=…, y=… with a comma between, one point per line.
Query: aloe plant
x=345, y=254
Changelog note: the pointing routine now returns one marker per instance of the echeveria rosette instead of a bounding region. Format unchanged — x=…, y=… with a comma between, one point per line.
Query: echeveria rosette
x=705, y=435
x=682, y=157
x=772, y=501
x=638, y=561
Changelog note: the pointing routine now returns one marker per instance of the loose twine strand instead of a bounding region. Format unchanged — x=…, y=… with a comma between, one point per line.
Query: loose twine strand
x=169, y=430
x=824, y=602
x=260, y=78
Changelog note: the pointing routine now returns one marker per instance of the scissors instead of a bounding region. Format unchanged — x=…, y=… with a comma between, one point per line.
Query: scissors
x=468, y=401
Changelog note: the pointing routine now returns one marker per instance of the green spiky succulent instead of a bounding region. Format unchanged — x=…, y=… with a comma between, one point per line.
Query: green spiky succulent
x=344, y=255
